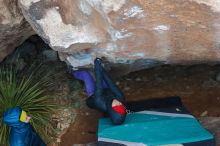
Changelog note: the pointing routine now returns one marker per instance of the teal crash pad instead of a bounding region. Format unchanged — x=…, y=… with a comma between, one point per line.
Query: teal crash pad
x=154, y=128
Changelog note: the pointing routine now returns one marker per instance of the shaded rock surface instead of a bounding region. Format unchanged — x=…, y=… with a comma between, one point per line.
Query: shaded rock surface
x=138, y=33
x=33, y=50
x=213, y=125
x=14, y=29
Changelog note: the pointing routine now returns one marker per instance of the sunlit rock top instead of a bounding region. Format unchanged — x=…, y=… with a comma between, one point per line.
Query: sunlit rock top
x=127, y=31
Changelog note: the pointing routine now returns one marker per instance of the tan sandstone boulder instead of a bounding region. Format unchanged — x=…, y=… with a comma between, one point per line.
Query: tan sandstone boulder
x=14, y=29
x=142, y=33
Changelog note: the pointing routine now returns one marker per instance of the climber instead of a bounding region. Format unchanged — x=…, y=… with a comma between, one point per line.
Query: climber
x=104, y=95
x=21, y=133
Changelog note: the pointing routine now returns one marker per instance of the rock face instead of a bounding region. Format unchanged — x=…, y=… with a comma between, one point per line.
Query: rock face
x=142, y=33
x=14, y=29
x=213, y=125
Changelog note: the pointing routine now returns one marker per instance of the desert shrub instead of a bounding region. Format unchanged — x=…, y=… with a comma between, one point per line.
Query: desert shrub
x=29, y=91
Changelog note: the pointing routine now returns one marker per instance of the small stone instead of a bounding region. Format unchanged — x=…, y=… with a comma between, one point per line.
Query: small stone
x=77, y=105
x=178, y=110
x=126, y=88
x=205, y=113
x=53, y=144
x=63, y=126
x=58, y=140
x=217, y=78
x=59, y=125
x=117, y=83
x=68, y=114
x=67, y=125
x=138, y=79
x=92, y=144
x=50, y=55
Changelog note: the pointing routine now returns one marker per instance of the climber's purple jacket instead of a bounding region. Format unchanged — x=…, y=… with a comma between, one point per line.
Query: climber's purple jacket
x=21, y=134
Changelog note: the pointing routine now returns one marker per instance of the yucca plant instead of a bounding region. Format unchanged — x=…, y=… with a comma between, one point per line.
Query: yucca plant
x=27, y=90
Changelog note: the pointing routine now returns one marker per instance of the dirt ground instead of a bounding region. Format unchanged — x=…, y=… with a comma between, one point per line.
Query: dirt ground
x=196, y=85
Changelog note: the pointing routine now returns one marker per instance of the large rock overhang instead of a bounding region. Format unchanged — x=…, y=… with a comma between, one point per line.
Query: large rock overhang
x=135, y=33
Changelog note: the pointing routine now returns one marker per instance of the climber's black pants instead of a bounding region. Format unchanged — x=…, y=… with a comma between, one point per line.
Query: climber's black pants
x=102, y=75
x=103, y=97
